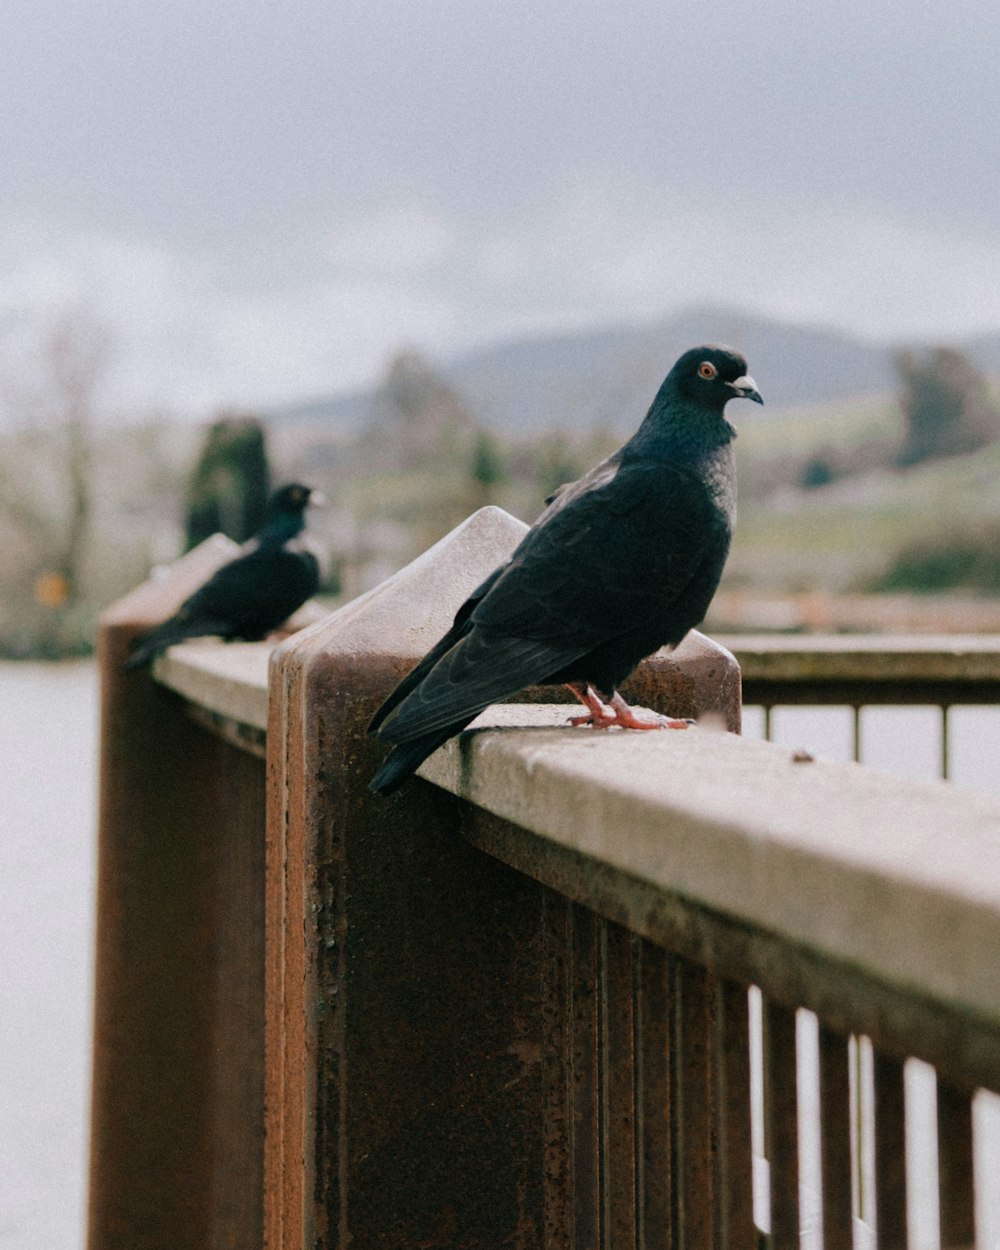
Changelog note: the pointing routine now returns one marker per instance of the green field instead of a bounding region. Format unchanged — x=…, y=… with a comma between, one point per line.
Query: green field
x=846, y=535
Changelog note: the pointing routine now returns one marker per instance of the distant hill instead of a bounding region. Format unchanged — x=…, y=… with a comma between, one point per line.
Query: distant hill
x=606, y=377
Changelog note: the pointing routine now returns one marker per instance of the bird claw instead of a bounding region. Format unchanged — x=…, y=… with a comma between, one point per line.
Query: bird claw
x=613, y=720
x=618, y=714
x=588, y=719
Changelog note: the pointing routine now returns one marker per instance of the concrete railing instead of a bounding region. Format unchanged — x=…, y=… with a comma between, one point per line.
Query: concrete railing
x=510, y=1008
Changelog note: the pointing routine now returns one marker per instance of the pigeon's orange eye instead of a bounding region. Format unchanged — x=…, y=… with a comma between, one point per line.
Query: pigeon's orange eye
x=707, y=370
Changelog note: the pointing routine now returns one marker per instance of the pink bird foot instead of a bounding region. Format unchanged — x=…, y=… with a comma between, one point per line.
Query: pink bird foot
x=597, y=710
x=617, y=713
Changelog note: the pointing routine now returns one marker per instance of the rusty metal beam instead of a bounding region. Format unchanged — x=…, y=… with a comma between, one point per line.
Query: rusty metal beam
x=899, y=1021
x=864, y=693
x=176, y=1119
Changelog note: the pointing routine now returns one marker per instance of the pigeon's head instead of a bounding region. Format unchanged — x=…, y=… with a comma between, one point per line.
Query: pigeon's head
x=293, y=499
x=712, y=375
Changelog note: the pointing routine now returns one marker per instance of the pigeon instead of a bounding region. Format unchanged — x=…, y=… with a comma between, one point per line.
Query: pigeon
x=621, y=563
x=253, y=594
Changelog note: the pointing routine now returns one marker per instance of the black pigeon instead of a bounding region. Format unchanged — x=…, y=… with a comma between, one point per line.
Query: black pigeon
x=253, y=594
x=621, y=563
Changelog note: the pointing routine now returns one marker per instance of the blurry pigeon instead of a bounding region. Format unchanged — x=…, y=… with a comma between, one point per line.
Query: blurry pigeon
x=253, y=594
x=621, y=563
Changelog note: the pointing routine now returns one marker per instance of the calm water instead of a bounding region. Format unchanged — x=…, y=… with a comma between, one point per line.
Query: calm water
x=47, y=807
x=47, y=801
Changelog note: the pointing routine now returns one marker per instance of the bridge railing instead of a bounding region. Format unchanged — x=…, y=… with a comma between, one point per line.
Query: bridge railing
x=938, y=694
x=557, y=998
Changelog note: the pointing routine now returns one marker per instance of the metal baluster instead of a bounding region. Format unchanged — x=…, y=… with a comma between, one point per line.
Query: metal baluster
x=890, y=1152
x=617, y=1085
x=654, y=1100
x=835, y=1139
x=736, y=1229
x=955, y=1175
x=945, y=742
x=557, y=1070
x=781, y=1123
x=586, y=1101
x=694, y=1140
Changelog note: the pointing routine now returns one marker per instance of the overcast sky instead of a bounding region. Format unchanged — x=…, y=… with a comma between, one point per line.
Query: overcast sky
x=262, y=198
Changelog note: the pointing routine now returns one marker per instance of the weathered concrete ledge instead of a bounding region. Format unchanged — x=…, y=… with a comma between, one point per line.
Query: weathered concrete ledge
x=228, y=680
x=898, y=879
x=231, y=679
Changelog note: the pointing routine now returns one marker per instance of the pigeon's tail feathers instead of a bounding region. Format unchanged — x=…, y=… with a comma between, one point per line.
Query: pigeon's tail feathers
x=165, y=635
x=461, y=626
x=143, y=654
x=404, y=760
x=412, y=680
x=481, y=669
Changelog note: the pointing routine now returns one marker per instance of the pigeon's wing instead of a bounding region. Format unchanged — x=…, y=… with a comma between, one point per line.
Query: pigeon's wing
x=476, y=671
x=246, y=598
x=208, y=611
x=227, y=587
x=175, y=629
x=602, y=559
x=255, y=592
x=598, y=561
x=290, y=578
x=441, y=696
x=459, y=628
x=600, y=475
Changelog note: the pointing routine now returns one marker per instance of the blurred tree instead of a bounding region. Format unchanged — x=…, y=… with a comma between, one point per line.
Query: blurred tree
x=418, y=420
x=488, y=470
x=231, y=481
x=52, y=374
x=962, y=557
x=817, y=471
x=558, y=460
x=76, y=350
x=946, y=404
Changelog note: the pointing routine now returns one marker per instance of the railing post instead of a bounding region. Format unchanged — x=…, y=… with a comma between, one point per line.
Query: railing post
x=430, y=1020
x=402, y=1063
x=176, y=1124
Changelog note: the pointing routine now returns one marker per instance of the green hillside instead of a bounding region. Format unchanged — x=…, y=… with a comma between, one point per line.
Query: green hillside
x=848, y=535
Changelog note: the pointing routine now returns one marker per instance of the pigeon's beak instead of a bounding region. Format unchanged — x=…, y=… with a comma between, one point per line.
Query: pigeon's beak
x=317, y=499
x=746, y=388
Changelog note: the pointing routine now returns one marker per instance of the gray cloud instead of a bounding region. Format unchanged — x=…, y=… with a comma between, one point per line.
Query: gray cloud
x=290, y=188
